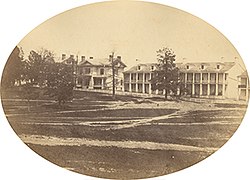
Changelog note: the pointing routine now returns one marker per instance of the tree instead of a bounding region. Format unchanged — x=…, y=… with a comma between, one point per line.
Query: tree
x=36, y=66
x=59, y=82
x=166, y=76
x=13, y=70
x=29, y=92
x=115, y=63
x=113, y=74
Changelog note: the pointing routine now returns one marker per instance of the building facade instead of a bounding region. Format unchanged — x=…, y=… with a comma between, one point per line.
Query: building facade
x=137, y=78
x=98, y=74
x=243, y=86
x=208, y=80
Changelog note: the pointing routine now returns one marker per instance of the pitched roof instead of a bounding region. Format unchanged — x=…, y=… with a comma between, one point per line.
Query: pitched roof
x=145, y=68
x=193, y=67
x=244, y=75
x=68, y=60
x=99, y=62
x=215, y=67
x=96, y=62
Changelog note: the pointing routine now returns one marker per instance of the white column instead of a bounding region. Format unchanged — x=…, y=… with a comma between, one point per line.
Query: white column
x=193, y=85
x=216, y=84
x=185, y=79
x=143, y=83
x=91, y=84
x=102, y=84
x=149, y=90
x=200, y=84
x=136, y=82
x=223, y=85
x=208, y=84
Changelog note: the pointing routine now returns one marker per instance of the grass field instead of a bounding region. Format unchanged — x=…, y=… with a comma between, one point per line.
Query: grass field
x=126, y=138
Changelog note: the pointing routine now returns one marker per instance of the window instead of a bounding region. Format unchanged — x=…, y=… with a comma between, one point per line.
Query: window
x=86, y=70
x=81, y=71
x=140, y=77
x=220, y=89
x=226, y=76
x=220, y=78
x=102, y=71
x=212, y=89
x=204, y=89
x=126, y=77
x=146, y=77
x=139, y=68
x=212, y=77
x=243, y=81
x=202, y=66
x=79, y=81
x=182, y=77
x=133, y=77
x=152, y=68
x=218, y=66
x=204, y=77
x=189, y=77
x=187, y=67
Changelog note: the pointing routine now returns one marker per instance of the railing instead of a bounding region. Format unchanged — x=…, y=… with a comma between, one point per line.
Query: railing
x=197, y=80
x=213, y=81
x=242, y=86
x=220, y=81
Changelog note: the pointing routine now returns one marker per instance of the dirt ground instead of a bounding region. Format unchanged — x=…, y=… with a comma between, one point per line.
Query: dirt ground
x=123, y=139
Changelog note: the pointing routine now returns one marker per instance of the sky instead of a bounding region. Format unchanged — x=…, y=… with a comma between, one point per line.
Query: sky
x=133, y=30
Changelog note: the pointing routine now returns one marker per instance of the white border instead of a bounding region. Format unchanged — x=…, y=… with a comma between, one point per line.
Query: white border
x=18, y=18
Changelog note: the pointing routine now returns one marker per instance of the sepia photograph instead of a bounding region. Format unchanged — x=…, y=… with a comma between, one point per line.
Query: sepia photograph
x=124, y=90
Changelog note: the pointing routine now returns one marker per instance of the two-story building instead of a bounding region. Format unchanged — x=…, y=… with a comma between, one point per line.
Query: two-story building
x=137, y=78
x=243, y=86
x=208, y=79
x=97, y=73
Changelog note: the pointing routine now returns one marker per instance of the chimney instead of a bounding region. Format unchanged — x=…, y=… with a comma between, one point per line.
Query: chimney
x=82, y=58
x=63, y=56
x=91, y=57
x=119, y=58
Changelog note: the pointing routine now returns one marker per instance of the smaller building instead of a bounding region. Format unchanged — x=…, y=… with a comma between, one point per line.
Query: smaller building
x=137, y=78
x=243, y=86
x=97, y=73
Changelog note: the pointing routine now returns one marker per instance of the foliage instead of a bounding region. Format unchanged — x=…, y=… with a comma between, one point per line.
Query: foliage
x=36, y=65
x=29, y=92
x=13, y=70
x=39, y=71
x=59, y=81
x=166, y=76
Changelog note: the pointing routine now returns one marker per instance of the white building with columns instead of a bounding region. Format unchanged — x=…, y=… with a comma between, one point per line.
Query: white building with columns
x=137, y=78
x=208, y=79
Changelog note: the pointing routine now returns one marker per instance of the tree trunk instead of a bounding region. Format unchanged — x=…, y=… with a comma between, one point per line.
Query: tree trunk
x=166, y=94
x=28, y=105
x=59, y=103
